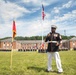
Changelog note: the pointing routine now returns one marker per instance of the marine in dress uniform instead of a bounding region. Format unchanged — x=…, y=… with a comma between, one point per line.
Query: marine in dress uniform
x=53, y=48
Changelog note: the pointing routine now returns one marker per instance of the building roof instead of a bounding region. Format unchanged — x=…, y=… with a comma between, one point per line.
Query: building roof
x=22, y=41
x=65, y=40
x=30, y=41
x=7, y=40
x=73, y=39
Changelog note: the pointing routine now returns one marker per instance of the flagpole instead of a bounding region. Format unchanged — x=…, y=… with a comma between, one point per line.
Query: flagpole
x=43, y=15
x=42, y=21
x=13, y=36
x=11, y=54
x=42, y=32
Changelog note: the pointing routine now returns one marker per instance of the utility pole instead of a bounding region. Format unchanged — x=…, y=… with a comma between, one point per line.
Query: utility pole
x=64, y=32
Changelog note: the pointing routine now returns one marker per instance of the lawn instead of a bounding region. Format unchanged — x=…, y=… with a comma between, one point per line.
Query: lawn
x=33, y=63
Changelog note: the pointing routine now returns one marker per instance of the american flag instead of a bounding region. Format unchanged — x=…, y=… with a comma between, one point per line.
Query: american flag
x=43, y=14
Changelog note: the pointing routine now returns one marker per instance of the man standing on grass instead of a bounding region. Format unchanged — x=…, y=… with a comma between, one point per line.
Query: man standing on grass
x=54, y=41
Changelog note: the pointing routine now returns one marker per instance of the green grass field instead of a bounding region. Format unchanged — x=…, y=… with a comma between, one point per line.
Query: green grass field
x=33, y=63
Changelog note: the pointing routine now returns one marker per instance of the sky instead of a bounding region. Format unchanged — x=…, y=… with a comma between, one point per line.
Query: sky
x=28, y=17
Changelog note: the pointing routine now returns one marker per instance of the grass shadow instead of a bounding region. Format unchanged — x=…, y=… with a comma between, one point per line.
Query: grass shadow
x=38, y=69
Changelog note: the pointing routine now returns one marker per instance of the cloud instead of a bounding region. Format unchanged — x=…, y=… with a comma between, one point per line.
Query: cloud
x=32, y=28
x=28, y=17
x=6, y=30
x=65, y=17
x=56, y=10
x=39, y=2
x=67, y=5
x=66, y=22
x=11, y=10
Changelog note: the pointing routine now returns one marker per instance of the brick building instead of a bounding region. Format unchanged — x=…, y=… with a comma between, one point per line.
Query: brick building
x=20, y=45
x=65, y=45
x=73, y=43
x=69, y=44
x=24, y=45
x=7, y=44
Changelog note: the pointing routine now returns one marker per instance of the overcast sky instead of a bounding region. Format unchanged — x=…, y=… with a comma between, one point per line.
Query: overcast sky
x=27, y=15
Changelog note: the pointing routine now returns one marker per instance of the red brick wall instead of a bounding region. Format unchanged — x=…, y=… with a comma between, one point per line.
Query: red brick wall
x=72, y=44
x=0, y=44
x=14, y=45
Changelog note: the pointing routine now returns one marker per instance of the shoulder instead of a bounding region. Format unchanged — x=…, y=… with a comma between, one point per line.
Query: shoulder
x=57, y=34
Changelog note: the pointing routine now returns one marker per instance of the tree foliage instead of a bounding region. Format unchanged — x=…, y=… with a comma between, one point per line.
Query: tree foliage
x=36, y=37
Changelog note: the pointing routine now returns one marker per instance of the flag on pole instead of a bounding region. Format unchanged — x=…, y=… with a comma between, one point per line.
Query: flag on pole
x=14, y=29
x=43, y=13
x=13, y=36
